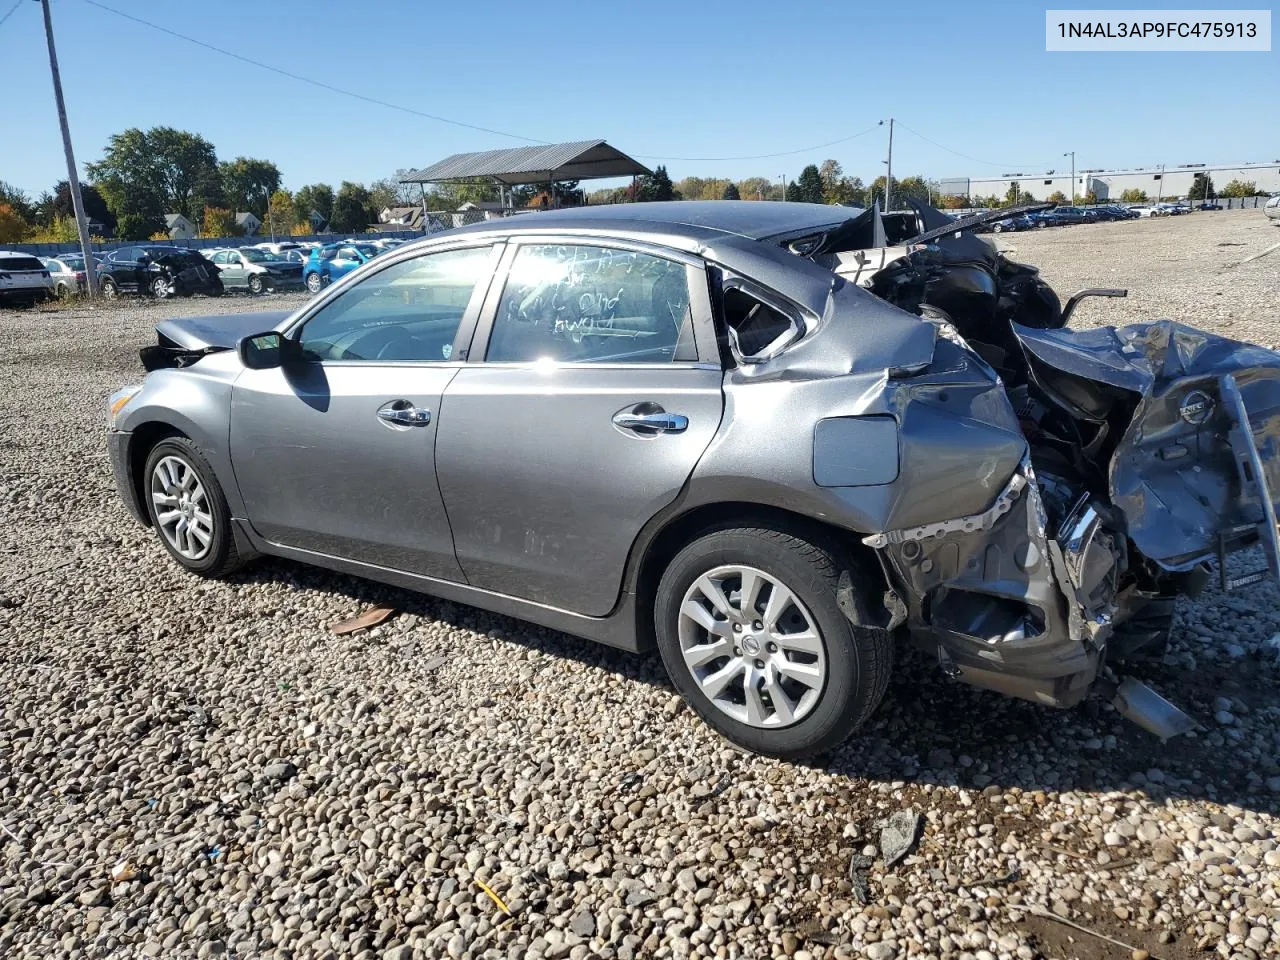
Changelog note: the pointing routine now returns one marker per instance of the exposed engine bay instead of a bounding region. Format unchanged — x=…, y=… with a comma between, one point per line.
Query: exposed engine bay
x=1151, y=451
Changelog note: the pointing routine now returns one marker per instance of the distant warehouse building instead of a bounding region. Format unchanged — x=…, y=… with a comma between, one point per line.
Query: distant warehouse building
x=1166, y=181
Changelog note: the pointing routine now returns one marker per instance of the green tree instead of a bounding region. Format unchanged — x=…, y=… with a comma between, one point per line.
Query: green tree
x=832, y=173
x=730, y=192
x=914, y=187
x=809, y=185
x=656, y=186
x=317, y=197
x=1201, y=188
x=153, y=172
x=351, y=208
x=1056, y=197
x=791, y=192
x=138, y=226
x=1133, y=195
x=59, y=230
x=1239, y=188
x=249, y=183
x=953, y=201
x=95, y=205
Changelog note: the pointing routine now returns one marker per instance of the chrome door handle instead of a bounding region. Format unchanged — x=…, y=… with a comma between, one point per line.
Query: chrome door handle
x=404, y=414
x=658, y=422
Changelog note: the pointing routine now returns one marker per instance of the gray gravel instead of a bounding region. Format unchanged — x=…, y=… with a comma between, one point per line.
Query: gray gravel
x=193, y=769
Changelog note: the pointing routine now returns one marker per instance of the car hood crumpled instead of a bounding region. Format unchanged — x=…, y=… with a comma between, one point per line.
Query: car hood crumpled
x=1174, y=474
x=219, y=330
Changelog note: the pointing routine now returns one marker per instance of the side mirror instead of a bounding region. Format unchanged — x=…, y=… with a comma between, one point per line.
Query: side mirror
x=262, y=351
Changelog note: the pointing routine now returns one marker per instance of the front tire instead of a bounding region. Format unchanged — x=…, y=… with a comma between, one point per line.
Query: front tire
x=161, y=288
x=188, y=509
x=752, y=635
x=256, y=285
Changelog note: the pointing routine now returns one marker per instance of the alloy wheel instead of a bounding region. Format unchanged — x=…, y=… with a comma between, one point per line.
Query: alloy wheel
x=182, y=507
x=751, y=646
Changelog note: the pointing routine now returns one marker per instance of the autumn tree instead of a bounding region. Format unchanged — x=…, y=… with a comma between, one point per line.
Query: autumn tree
x=755, y=188
x=1056, y=197
x=219, y=222
x=279, y=216
x=13, y=226
x=1133, y=195
x=1239, y=188
x=19, y=203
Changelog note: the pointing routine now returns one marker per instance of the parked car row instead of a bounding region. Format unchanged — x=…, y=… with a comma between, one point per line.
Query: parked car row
x=1062, y=216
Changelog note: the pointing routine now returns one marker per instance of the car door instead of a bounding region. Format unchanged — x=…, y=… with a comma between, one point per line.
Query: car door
x=233, y=269
x=594, y=387
x=345, y=259
x=334, y=450
x=124, y=267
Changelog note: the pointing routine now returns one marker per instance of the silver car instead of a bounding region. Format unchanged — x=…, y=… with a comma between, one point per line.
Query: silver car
x=256, y=270
x=741, y=432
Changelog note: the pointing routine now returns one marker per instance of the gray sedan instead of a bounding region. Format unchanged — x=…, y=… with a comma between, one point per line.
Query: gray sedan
x=256, y=270
x=737, y=431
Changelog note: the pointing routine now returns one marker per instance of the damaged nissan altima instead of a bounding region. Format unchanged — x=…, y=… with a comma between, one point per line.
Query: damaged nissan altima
x=756, y=436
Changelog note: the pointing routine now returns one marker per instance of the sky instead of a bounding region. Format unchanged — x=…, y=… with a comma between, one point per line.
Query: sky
x=705, y=87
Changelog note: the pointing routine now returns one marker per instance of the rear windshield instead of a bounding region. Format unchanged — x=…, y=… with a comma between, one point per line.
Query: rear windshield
x=17, y=262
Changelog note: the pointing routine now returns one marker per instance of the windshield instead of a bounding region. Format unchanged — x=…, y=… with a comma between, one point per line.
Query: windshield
x=366, y=250
x=254, y=255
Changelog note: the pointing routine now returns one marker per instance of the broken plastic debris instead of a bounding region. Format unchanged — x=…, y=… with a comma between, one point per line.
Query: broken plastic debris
x=859, y=864
x=370, y=618
x=898, y=836
x=123, y=872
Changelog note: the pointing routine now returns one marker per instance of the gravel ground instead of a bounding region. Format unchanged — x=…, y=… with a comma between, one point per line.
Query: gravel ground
x=199, y=769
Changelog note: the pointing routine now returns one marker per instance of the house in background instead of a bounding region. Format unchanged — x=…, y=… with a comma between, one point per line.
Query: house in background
x=318, y=223
x=248, y=223
x=178, y=227
x=409, y=218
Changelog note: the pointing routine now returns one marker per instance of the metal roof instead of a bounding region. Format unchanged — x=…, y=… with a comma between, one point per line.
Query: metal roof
x=581, y=160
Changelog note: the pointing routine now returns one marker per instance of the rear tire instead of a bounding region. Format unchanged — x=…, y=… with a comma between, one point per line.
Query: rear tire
x=315, y=283
x=109, y=289
x=828, y=674
x=188, y=509
x=256, y=286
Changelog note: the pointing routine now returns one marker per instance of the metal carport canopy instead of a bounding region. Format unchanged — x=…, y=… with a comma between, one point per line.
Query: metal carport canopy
x=582, y=160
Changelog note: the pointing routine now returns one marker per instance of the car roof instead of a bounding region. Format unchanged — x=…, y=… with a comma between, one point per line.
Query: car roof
x=691, y=219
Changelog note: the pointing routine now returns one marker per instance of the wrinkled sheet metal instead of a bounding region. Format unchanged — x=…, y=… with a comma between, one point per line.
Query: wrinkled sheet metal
x=1173, y=474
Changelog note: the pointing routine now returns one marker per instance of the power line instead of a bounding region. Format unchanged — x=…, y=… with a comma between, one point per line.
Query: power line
x=12, y=11
x=761, y=156
x=985, y=163
x=315, y=83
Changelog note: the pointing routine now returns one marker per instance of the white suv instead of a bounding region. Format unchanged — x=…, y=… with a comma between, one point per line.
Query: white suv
x=23, y=279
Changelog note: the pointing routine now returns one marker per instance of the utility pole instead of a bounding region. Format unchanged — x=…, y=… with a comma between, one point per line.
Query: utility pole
x=1072, y=155
x=1160, y=192
x=783, y=178
x=73, y=179
x=888, y=179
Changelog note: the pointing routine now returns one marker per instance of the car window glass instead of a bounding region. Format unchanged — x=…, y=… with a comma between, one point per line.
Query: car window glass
x=752, y=325
x=409, y=311
x=588, y=304
x=347, y=253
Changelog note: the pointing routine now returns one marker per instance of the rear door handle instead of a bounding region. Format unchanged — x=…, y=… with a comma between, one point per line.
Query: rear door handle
x=403, y=413
x=660, y=422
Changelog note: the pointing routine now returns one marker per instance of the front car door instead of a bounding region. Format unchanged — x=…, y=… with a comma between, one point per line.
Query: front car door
x=334, y=450
x=232, y=267
x=125, y=267
x=593, y=389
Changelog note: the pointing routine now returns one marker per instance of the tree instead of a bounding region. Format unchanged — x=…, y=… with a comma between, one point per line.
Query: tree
x=138, y=226
x=953, y=201
x=656, y=186
x=832, y=173
x=846, y=190
x=317, y=197
x=809, y=186
x=18, y=202
x=219, y=222
x=755, y=188
x=95, y=205
x=792, y=192
x=153, y=172
x=1239, y=188
x=279, y=216
x=1056, y=197
x=1133, y=195
x=730, y=192
x=914, y=187
x=13, y=226
x=351, y=212
x=59, y=230
x=1201, y=188
x=248, y=184
x=1091, y=197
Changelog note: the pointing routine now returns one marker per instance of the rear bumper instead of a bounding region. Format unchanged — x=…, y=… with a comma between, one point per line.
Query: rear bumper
x=122, y=471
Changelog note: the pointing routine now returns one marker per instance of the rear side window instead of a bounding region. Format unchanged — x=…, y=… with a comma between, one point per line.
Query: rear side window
x=755, y=329
x=17, y=263
x=589, y=304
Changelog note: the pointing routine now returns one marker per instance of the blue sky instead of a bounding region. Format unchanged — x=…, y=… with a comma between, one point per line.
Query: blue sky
x=661, y=80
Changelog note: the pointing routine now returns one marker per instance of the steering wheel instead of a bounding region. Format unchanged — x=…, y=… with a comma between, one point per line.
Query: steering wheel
x=375, y=344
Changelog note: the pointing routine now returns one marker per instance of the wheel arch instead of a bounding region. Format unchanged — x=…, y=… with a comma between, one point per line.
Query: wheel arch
x=868, y=606
x=142, y=441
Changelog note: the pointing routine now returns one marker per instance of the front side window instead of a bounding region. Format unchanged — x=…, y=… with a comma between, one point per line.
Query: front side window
x=409, y=311
x=589, y=304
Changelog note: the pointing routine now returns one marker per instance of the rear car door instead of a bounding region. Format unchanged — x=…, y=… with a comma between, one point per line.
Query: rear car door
x=345, y=260
x=334, y=450
x=593, y=389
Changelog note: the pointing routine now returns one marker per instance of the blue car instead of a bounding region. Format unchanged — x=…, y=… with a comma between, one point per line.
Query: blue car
x=334, y=261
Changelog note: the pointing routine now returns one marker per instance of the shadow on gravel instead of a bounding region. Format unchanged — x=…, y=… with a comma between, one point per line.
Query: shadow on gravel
x=931, y=731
